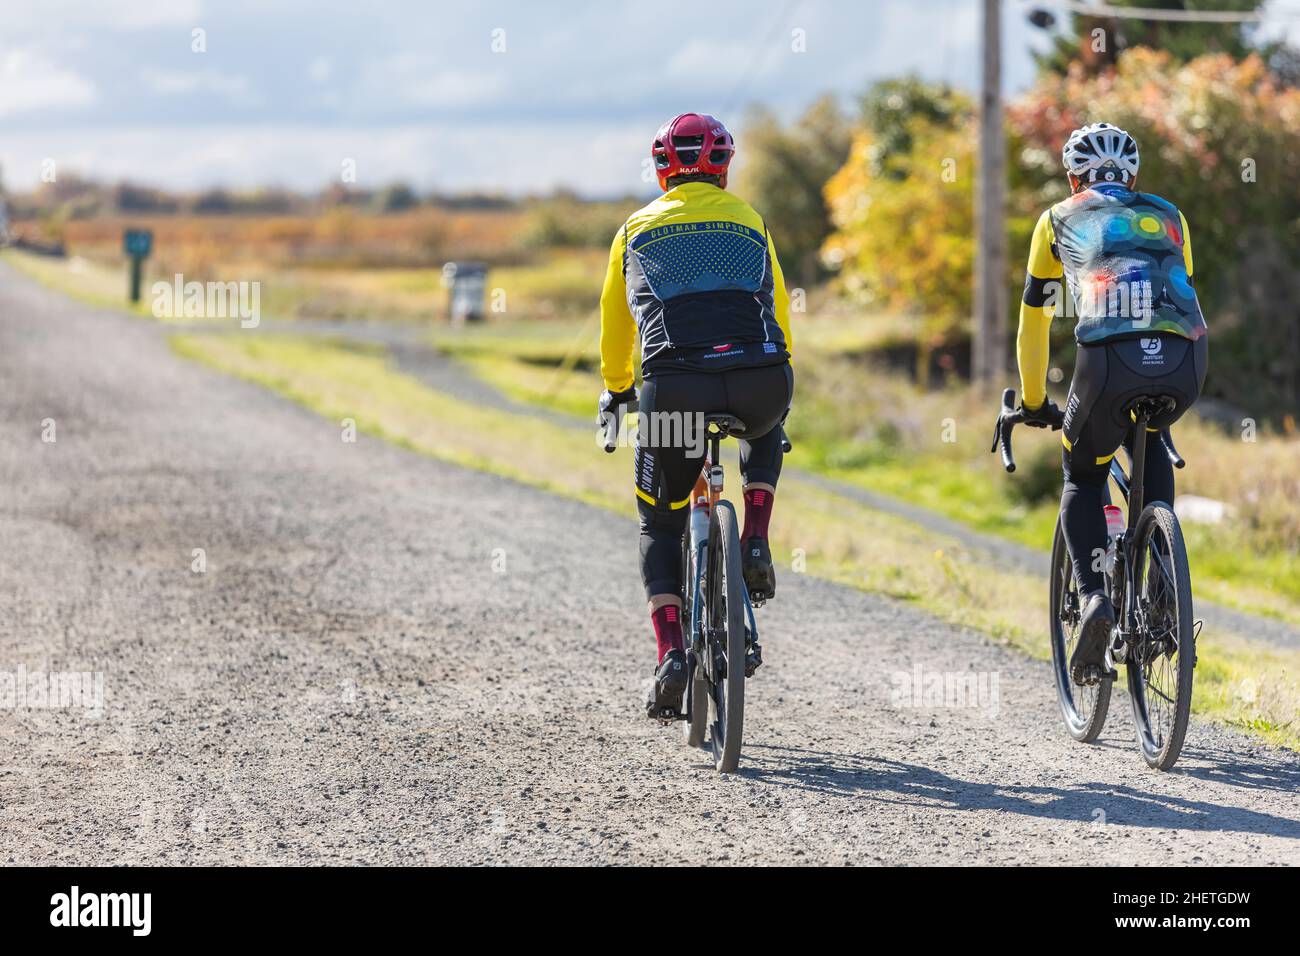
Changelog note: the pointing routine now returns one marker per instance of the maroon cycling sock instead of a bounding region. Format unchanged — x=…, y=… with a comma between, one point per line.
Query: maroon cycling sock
x=667, y=621
x=758, y=512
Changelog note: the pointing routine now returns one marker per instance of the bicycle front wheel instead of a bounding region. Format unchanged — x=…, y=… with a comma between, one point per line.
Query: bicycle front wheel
x=725, y=600
x=1083, y=708
x=1161, y=663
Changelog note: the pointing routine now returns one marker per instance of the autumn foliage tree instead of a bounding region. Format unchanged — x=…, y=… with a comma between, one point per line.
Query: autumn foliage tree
x=904, y=231
x=1219, y=137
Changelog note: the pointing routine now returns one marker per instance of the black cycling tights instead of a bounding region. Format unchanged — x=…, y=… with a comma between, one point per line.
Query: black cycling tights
x=1107, y=378
x=1081, y=508
x=671, y=450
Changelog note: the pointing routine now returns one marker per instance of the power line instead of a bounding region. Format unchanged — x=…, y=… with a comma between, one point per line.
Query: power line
x=1157, y=13
x=761, y=54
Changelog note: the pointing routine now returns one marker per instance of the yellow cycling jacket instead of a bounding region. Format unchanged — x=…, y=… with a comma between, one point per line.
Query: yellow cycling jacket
x=695, y=276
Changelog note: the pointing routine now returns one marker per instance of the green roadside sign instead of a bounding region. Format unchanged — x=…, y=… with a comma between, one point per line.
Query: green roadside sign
x=137, y=243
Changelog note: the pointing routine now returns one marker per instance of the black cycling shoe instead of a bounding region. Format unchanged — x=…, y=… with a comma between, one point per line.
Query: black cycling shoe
x=756, y=566
x=665, y=698
x=1088, y=662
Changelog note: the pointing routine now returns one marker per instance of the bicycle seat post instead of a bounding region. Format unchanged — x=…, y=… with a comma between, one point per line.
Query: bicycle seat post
x=715, y=465
x=1138, y=471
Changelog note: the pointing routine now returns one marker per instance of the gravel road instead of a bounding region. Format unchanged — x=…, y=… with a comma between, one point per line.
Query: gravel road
x=385, y=659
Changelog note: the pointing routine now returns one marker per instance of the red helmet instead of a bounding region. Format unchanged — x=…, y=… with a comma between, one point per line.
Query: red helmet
x=692, y=143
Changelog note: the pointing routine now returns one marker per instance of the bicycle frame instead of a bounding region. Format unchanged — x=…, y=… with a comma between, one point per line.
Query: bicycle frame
x=1131, y=487
x=706, y=494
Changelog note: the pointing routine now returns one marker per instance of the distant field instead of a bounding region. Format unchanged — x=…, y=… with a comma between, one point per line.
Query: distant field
x=544, y=285
x=338, y=237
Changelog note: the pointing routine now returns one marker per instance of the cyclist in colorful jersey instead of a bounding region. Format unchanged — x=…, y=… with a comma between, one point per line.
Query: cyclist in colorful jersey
x=1126, y=258
x=694, y=278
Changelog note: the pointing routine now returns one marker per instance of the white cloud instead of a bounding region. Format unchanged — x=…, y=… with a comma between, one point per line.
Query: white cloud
x=101, y=15
x=30, y=83
x=406, y=80
x=232, y=87
x=320, y=70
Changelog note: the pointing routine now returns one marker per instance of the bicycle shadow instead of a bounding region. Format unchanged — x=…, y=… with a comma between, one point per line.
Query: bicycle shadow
x=1256, y=771
x=892, y=781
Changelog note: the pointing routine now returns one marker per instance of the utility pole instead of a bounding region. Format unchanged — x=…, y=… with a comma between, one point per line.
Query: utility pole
x=988, y=364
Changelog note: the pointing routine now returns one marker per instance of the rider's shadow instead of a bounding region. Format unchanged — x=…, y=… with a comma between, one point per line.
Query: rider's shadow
x=893, y=781
x=1253, y=771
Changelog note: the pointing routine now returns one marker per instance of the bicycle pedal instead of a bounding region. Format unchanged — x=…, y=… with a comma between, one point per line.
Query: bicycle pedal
x=753, y=659
x=665, y=715
x=1092, y=676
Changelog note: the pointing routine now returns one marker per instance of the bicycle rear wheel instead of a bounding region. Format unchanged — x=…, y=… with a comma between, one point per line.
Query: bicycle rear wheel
x=1084, y=708
x=697, y=676
x=725, y=600
x=1161, y=664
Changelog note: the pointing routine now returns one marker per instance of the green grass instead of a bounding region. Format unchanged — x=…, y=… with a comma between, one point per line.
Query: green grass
x=81, y=279
x=868, y=427
x=1238, y=683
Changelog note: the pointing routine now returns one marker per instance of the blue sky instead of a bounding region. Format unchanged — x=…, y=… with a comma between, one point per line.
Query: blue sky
x=288, y=89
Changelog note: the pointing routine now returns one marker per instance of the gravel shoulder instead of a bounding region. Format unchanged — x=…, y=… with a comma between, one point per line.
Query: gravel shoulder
x=393, y=660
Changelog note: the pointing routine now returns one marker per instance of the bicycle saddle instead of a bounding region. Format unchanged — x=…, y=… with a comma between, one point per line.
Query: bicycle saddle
x=1151, y=405
x=723, y=423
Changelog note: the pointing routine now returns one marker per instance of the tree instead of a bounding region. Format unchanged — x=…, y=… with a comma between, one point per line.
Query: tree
x=904, y=227
x=1096, y=42
x=784, y=170
x=397, y=197
x=891, y=107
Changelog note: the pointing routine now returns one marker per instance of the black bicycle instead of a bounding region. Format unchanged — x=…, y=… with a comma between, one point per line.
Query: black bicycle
x=1150, y=586
x=718, y=615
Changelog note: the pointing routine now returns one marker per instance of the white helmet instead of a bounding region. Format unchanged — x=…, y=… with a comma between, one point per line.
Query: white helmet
x=1101, y=153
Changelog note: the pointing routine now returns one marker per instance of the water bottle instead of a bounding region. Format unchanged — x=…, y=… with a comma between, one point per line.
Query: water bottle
x=1114, y=525
x=699, y=523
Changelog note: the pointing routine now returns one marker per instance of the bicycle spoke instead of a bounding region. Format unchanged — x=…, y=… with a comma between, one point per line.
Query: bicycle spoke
x=1158, y=692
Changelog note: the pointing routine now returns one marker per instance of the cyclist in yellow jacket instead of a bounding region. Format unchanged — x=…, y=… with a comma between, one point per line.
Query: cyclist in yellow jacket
x=694, y=279
x=1126, y=259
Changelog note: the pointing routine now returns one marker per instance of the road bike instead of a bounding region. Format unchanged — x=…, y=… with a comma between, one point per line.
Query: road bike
x=718, y=615
x=1149, y=584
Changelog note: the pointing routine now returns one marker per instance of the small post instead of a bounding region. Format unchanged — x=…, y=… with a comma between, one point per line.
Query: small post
x=138, y=243
x=466, y=284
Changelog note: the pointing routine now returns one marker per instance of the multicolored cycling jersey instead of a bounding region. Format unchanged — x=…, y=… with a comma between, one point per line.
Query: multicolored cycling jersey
x=1126, y=258
x=695, y=275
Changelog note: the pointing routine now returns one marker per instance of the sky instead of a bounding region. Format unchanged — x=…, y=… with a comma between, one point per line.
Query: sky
x=502, y=96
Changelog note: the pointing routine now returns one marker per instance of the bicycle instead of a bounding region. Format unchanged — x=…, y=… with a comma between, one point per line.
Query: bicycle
x=1149, y=584
x=718, y=615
